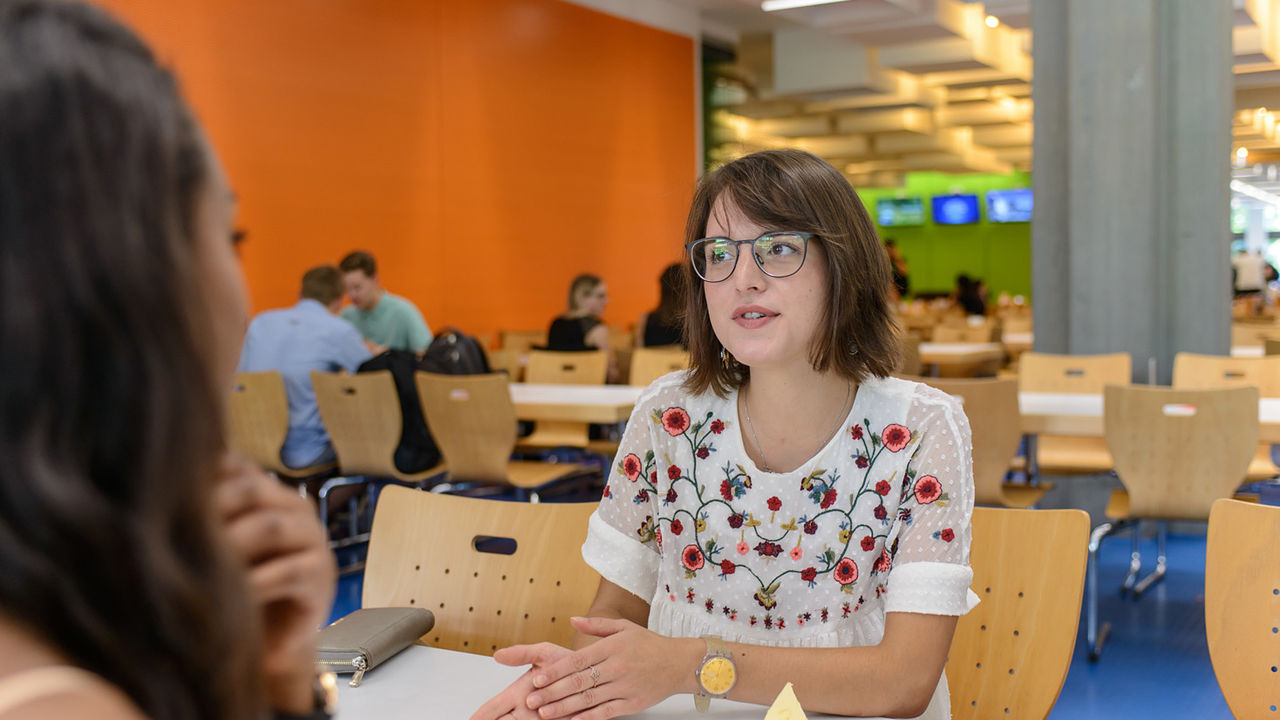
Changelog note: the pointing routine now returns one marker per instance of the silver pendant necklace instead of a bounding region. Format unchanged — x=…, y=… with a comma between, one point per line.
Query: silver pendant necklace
x=746, y=407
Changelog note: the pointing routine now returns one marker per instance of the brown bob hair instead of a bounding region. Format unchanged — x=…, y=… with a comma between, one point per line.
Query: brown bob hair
x=796, y=190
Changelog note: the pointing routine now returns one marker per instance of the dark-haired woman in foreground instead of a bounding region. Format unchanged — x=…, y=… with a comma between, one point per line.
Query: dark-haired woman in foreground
x=143, y=571
x=784, y=511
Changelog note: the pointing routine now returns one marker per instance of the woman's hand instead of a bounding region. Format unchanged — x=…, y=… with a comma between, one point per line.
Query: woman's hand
x=291, y=574
x=627, y=670
x=512, y=703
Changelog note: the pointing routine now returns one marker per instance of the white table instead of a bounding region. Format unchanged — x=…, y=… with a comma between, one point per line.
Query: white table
x=962, y=359
x=578, y=403
x=1247, y=351
x=425, y=682
x=1081, y=414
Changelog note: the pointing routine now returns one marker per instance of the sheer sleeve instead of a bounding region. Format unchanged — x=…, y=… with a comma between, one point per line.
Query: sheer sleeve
x=622, y=542
x=929, y=550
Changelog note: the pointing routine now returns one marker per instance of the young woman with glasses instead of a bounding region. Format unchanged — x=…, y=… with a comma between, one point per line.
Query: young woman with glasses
x=143, y=571
x=784, y=511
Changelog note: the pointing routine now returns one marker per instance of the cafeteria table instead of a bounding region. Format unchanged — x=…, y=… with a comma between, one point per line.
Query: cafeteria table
x=962, y=359
x=604, y=404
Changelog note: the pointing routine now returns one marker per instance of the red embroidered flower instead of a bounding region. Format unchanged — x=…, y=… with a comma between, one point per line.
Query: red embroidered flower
x=868, y=542
x=881, y=513
x=846, y=571
x=810, y=527
x=828, y=498
x=928, y=489
x=947, y=535
x=883, y=487
x=796, y=553
x=884, y=562
x=657, y=535
x=642, y=496
x=653, y=477
x=895, y=437
x=856, y=432
x=726, y=490
x=703, y=452
x=774, y=503
x=861, y=462
x=808, y=574
x=735, y=521
x=671, y=495
x=677, y=527
x=607, y=492
x=673, y=473
x=743, y=548
x=675, y=421
x=767, y=549
x=717, y=427
x=691, y=557
x=631, y=466
x=727, y=567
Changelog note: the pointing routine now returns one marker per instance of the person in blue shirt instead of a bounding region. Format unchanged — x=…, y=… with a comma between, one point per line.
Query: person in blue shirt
x=387, y=322
x=308, y=336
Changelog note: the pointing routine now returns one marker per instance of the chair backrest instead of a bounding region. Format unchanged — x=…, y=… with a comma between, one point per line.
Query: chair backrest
x=362, y=414
x=1195, y=372
x=509, y=361
x=567, y=368
x=432, y=550
x=650, y=363
x=521, y=340
x=1242, y=604
x=1270, y=346
x=621, y=338
x=1253, y=334
x=963, y=333
x=992, y=408
x=1045, y=372
x=1017, y=323
x=911, y=363
x=473, y=422
x=1010, y=654
x=1176, y=451
x=258, y=418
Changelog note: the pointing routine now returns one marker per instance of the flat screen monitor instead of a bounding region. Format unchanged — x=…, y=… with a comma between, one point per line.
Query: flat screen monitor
x=900, y=212
x=955, y=209
x=1005, y=206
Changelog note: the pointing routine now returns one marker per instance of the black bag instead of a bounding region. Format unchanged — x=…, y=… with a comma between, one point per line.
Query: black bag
x=453, y=353
x=416, y=451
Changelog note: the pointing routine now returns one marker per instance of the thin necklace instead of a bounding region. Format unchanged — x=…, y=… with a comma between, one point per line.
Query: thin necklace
x=746, y=407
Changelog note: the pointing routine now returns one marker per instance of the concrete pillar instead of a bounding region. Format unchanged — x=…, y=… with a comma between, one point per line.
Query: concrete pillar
x=1132, y=135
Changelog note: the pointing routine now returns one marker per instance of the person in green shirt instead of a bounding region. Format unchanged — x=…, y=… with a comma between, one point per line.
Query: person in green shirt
x=387, y=322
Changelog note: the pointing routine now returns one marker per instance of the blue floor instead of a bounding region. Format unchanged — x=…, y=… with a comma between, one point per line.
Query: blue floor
x=1155, y=664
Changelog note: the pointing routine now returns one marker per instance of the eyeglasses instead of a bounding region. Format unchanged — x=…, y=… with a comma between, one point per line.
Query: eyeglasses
x=779, y=254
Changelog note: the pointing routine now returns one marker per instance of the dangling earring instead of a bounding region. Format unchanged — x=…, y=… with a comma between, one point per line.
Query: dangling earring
x=727, y=359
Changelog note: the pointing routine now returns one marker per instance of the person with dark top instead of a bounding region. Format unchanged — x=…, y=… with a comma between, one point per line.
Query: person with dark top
x=662, y=326
x=969, y=295
x=581, y=328
x=898, y=265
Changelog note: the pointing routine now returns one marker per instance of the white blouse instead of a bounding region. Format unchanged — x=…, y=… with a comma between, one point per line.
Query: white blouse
x=877, y=521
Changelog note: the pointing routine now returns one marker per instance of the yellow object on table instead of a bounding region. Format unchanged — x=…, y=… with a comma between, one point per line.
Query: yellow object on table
x=785, y=706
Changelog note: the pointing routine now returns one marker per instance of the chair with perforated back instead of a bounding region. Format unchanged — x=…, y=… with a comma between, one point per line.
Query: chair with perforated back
x=992, y=409
x=1010, y=654
x=362, y=415
x=1192, y=372
x=650, y=363
x=439, y=552
x=1176, y=452
x=1048, y=373
x=258, y=421
x=473, y=422
x=1242, y=605
x=563, y=368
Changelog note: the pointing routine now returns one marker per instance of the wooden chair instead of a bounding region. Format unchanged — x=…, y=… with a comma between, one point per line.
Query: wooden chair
x=258, y=421
x=474, y=423
x=992, y=409
x=510, y=362
x=563, y=368
x=1242, y=604
x=963, y=333
x=1270, y=346
x=362, y=414
x=436, y=551
x=521, y=341
x=1010, y=654
x=650, y=363
x=1253, y=334
x=1176, y=451
x=911, y=364
x=1043, y=372
x=1193, y=372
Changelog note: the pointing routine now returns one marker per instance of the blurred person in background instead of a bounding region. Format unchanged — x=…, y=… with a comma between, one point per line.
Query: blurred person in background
x=387, y=322
x=662, y=325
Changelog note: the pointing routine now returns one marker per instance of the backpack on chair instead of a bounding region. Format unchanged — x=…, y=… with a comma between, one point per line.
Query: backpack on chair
x=452, y=353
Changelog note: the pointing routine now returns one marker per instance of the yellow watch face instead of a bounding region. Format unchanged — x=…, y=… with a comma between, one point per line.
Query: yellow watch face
x=717, y=675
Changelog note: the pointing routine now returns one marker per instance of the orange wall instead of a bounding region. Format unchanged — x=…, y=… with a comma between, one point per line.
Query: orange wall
x=485, y=151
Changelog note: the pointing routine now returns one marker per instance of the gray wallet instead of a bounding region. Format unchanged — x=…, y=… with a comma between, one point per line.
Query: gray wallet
x=364, y=639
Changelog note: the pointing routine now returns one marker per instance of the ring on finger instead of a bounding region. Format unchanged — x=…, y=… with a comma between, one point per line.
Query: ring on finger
x=595, y=675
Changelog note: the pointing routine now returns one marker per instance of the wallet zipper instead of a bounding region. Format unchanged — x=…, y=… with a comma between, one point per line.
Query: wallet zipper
x=358, y=662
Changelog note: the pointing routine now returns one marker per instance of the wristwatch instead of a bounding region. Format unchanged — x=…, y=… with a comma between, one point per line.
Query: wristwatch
x=716, y=673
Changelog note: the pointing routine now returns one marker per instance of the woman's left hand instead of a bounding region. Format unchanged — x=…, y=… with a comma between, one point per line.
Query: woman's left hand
x=627, y=670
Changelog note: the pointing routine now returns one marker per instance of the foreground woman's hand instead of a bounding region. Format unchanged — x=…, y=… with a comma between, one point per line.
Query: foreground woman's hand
x=291, y=574
x=512, y=703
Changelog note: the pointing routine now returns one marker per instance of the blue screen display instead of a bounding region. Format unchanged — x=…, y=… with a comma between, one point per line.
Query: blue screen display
x=1009, y=205
x=900, y=212
x=955, y=209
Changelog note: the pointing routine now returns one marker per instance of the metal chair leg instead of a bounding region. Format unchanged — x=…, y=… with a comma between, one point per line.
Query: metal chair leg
x=1162, y=536
x=1092, y=636
x=1135, y=561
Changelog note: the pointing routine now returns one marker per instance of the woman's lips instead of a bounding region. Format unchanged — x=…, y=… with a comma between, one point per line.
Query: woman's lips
x=751, y=317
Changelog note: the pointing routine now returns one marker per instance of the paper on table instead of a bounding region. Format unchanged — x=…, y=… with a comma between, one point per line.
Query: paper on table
x=785, y=706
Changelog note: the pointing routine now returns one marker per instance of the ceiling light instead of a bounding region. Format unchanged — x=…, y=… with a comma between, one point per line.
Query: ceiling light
x=993, y=21
x=774, y=5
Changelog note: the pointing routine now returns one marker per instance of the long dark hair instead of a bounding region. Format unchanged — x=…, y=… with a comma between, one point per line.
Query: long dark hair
x=110, y=420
